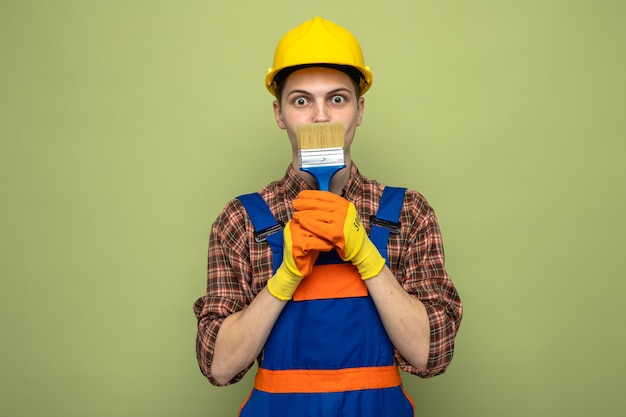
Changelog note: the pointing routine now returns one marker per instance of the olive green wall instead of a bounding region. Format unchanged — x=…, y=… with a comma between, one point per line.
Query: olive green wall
x=126, y=125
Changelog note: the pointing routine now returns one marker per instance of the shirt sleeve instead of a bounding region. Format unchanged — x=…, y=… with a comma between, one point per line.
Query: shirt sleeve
x=228, y=289
x=423, y=275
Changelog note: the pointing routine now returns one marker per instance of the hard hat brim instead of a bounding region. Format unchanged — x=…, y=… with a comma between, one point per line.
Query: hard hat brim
x=276, y=76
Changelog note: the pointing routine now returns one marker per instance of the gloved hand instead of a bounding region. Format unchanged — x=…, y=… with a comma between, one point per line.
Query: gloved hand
x=300, y=251
x=335, y=219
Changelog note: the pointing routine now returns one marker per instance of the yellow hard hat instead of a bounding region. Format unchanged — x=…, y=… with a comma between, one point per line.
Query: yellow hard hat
x=318, y=41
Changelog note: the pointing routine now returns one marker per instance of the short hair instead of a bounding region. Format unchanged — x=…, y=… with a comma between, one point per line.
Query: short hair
x=354, y=74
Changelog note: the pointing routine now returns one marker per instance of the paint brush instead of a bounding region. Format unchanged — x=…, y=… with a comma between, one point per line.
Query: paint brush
x=321, y=151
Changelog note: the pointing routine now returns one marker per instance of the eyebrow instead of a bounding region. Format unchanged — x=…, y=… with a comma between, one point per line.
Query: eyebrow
x=335, y=91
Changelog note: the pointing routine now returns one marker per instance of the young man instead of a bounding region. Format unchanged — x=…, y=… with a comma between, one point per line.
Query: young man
x=329, y=312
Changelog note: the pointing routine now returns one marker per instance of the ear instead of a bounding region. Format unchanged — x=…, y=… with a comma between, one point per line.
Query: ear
x=360, y=107
x=278, y=115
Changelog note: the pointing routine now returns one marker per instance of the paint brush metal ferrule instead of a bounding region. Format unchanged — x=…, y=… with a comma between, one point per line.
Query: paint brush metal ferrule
x=311, y=158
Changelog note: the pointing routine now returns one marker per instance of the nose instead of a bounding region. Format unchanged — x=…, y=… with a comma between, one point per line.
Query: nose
x=321, y=113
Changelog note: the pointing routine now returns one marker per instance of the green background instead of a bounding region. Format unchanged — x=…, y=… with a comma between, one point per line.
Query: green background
x=125, y=126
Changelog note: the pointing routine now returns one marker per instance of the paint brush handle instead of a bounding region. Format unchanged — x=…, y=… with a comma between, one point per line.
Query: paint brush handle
x=323, y=175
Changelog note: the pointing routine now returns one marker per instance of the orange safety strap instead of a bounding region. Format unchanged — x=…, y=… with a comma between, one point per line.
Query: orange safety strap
x=314, y=380
x=331, y=281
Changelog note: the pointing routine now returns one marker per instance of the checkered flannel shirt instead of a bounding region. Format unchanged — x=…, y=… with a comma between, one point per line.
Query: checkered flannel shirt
x=239, y=267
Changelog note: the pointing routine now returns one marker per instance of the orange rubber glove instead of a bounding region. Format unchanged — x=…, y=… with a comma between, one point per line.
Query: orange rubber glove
x=335, y=219
x=300, y=251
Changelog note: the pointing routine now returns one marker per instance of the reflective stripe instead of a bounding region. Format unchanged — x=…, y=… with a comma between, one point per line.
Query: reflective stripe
x=314, y=380
x=331, y=281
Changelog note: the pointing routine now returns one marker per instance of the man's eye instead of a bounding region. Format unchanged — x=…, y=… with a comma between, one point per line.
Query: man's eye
x=300, y=101
x=338, y=99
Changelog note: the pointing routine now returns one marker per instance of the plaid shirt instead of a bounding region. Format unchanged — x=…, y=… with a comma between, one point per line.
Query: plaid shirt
x=238, y=267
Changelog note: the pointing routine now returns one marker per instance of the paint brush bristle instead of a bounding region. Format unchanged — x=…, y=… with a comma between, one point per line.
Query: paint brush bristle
x=320, y=135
